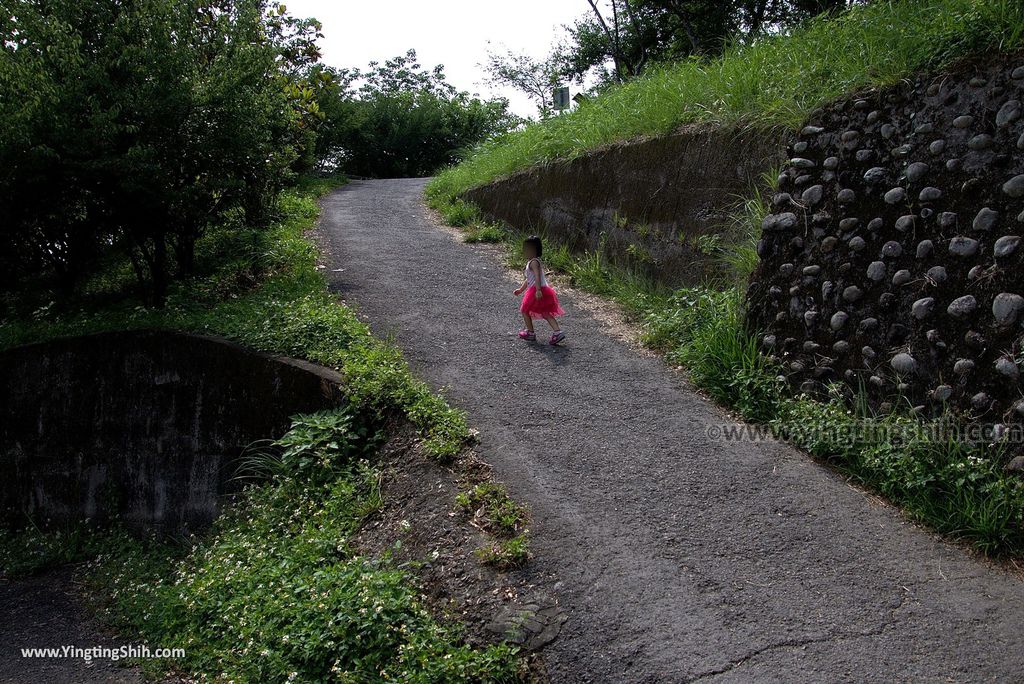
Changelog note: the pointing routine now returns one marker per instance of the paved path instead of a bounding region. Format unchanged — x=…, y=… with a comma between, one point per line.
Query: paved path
x=679, y=558
x=46, y=611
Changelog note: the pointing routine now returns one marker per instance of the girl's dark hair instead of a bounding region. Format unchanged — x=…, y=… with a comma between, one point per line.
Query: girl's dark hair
x=534, y=241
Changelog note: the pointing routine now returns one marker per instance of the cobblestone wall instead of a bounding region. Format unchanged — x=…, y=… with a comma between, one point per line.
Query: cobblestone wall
x=892, y=258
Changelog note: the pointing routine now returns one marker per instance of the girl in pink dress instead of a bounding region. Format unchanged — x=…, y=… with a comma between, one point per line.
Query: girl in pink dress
x=539, y=298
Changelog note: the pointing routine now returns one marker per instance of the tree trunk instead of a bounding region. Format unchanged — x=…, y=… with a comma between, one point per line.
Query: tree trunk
x=185, y=254
x=158, y=272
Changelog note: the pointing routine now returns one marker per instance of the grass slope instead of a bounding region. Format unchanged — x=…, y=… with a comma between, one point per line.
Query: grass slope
x=775, y=81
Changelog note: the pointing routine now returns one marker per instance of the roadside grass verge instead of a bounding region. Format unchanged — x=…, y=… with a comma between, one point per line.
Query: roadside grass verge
x=276, y=592
x=954, y=487
x=774, y=81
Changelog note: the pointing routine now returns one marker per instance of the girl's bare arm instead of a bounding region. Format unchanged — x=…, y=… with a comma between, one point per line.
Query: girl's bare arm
x=535, y=267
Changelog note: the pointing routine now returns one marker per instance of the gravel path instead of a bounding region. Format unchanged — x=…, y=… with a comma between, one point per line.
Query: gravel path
x=679, y=558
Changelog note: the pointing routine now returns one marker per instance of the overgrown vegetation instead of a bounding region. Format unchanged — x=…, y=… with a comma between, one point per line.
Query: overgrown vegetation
x=151, y=161
x=132, y=127
x=277, y=593
x=129, y=129
x=263, y=289
x=774, y=81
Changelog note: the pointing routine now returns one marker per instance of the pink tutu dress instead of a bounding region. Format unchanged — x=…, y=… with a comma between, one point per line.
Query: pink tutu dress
x=547, y=304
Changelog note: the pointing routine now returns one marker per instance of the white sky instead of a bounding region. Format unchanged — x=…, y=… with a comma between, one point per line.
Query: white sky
x=449, y=32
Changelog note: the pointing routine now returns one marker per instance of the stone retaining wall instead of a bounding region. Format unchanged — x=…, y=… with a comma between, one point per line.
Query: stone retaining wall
x=142, y=426
x=892, y=259
x=648, y=201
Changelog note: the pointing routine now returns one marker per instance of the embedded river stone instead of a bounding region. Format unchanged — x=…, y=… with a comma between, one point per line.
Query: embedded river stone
x=1006, y=245
x=1006, y=307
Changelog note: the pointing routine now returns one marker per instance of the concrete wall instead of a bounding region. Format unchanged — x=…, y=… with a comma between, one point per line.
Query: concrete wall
x=140, y=425
x=657, y=194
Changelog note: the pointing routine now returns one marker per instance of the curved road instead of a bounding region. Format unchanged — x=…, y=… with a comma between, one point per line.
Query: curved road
x=679, y=558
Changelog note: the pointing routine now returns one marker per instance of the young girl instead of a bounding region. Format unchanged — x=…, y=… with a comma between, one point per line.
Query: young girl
x=539, y=300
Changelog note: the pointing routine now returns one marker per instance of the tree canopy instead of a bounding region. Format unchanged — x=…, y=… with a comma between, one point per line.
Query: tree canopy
x=137, y=123
x=401, y=119
x=617, y=39
x=131, y=126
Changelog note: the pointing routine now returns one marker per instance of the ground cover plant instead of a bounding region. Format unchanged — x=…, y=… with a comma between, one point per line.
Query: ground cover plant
x=505, y=520
x=277, y=593
x=341, y=617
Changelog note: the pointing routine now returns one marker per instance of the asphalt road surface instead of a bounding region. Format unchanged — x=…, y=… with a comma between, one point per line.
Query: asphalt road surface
x=678, y=556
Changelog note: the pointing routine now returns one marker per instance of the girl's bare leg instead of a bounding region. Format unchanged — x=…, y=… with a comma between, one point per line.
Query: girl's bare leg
x=528, y=321
x=553, y=322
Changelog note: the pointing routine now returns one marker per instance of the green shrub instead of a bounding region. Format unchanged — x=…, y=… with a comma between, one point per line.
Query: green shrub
x=277, y=593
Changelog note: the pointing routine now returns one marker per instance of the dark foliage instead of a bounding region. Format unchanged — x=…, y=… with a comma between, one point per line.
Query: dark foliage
x=132, y=126
x=402, y=120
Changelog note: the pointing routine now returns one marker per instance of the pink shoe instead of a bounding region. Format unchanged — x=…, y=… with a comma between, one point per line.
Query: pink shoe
x=527, y=335
x=556, y=338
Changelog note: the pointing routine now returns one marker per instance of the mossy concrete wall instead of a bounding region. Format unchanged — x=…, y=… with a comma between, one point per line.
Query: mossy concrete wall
x=648, y=200
x=140, y=426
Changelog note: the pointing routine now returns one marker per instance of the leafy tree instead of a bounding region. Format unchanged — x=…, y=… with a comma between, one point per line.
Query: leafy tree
x=134, y=124
x=627, y=35
x=535, y=78
x=401, y=119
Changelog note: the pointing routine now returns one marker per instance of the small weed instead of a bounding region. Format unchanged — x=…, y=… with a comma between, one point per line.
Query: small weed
x=501, y=517
x=639, y=254
x=505, y=554
x=459, y=213
x=486, y=233
x=491, y=504
x=708, y=244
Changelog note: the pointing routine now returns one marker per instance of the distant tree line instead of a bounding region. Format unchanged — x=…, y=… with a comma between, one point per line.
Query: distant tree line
x=131, y=126
x=399, y=119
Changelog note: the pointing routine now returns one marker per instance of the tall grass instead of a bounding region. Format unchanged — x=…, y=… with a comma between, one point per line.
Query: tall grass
x=773, y=81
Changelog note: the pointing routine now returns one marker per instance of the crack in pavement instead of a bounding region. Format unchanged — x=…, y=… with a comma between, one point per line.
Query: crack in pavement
x=667, y=547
